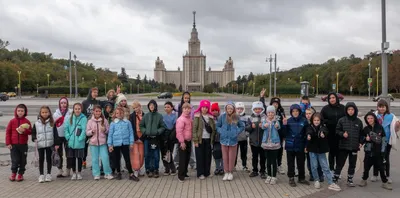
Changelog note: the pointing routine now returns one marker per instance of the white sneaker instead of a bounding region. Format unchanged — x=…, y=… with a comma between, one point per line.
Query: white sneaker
x=67, y=173
x=273, y=181
x=73, y=176
x=60, y=173
x=78, y=176
x=202, y=177
x=334, y=187
x=109, y=177
x=96, y=177
x=230, y=176
x=280, y=170
x=389, y=180
x=225, y=178
x=41, y=179
x=268, y=180
x=374, y=179
x=142, y=171
x=317, y=185
x=48, y=178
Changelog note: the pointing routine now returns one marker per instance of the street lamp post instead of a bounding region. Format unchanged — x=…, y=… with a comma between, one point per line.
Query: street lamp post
x=317, y=82
x=377, y=80
x=275, y=77
x=254, y=87
x=270, y=59
x=48, y=80
x=301, y=78
x=105, y=88
x=83, y=79
x=19, y=84
x=337, y=82
x=384, y=46
x=243, y=90
x=369, y=76
x=130, y=89
x=76, y=78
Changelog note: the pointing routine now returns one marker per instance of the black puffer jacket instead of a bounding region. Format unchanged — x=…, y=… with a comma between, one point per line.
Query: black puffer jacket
x=374, y=147
x=354, y=127
x=317, y=144
x=331, y=114
x=257, y=133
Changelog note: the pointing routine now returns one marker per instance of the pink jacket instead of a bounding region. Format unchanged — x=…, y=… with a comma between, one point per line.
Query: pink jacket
x=97, y=132
x=184, y=128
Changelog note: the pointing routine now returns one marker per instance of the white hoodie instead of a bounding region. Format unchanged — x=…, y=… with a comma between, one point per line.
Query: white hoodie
x=57, y=115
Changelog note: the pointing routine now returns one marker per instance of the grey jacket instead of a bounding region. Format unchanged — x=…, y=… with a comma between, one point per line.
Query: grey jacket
x=244, y=134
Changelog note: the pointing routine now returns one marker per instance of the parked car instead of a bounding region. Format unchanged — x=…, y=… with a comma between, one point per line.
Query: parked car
x=4, y=97
x=324, y=98
x=165, y=95
x=377, y=98
x=12, y=94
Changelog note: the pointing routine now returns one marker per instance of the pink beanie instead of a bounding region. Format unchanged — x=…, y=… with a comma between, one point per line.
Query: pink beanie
x=204, y=103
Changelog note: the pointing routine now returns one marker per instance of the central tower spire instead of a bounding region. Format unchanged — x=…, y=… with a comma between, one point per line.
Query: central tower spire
x=194, y=19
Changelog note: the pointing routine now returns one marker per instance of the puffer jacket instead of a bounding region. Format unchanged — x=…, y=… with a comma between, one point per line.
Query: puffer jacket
x=97, y=131
x=45, y=135
x=152, y=123
x=120, y=133
x=12, y=136
x=198, y=127
x=353, y=126
x=184, y=128
x=295, y=131
x=374, y=148
x=317, y=144
x=257, y=133
x=229, y=132
x=78, y=123
x=244, y=134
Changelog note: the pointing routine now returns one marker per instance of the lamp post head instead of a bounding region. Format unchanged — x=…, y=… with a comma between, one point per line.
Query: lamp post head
x=377, y=69
x=317, y=75
x=337, y=73
x=19, y=72
x=48, y=75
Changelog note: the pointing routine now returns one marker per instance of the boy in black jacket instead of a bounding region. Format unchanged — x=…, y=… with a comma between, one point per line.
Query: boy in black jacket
x=350, y=131
x=375, y=146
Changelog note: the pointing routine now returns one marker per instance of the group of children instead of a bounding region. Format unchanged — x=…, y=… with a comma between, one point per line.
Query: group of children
x=111, y=130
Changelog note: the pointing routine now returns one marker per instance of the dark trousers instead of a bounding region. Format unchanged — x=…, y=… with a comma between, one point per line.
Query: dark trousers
x=124, y=149
x=271, y=156
x=203, y=158
x=42, y=152
x=18, y=158
x=333, y=154
x=165, y=147
x=280, y=154
x=299, y=157
x=184, y=157
x=86, y=148
x=61, y=150
x=243, y=145
x=258, y=152
x=386, y=165
x=375, y=161
x=341, y=160
x=319, y=169
x=72, y=163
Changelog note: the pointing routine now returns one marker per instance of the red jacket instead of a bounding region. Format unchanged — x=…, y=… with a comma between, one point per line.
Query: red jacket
x=12, y=136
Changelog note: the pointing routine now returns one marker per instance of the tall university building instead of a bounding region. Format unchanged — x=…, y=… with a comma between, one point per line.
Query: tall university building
x=194, y=74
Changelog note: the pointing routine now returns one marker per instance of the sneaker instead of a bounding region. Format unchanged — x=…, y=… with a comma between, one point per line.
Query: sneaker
x=246, y=169
x=109, y=177
x=181, y=180
x=221, y=172
x=48, y=178
x=60, y=173
x=303, y=181
x=374, y=178
x=273, y=181
x=292, y=183
x=166, y=173
x=253, y=174
x=118, y=176
x=216, y=172
x=350, y=183
x=186, y=176
x=133, y=178
x=41, y=179
x=334, y=187
x=268, y=180
x=79, y=176
x=322, y=179
x=12, y=176
x=280, y=170
x=317, y=185
x=67, y=173
x=389, y=180
x=230, y=176
x=263, y=176
x=387, y=186
x=20, y=177
x=150, y=174
x=73, y=176
x=156, y=174
x=202, y=177
x=363, y=183
x=96, y=177
x=173, y=173
x=225, y=178
x=142, y=172
x=84, y=165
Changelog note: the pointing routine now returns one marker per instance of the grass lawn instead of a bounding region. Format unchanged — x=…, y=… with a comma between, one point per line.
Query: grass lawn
x=195, y=94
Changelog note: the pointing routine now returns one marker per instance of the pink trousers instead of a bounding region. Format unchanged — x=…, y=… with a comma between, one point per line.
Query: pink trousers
x=229, y=156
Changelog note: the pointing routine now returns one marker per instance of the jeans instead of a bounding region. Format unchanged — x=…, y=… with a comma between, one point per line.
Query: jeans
x=184, y=157
x=203, y=158
x=320, y=173
x=258, y=152
x=377, y=162
x=152, y=157
x=229, y=156
x=18, y=158
x=299, y=157
x=319, y=160
x=385, y=166
x=100, y=152
x=219, y=164
x=341, y=160
x=271, y=156
x=243, y=145
x=42, y=152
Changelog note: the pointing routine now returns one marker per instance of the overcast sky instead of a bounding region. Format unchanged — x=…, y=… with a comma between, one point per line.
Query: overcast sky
x=132, y=33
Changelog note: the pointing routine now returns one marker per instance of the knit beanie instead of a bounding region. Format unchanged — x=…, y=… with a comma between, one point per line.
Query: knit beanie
x=270, y=109
x=215, y=107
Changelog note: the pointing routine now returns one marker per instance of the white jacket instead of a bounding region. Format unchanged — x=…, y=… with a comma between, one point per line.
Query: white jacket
x=57, y=115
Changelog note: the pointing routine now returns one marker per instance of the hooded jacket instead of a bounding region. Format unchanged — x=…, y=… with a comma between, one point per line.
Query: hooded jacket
x=229, y=131
x=152, y=123
x=331, y=114
x=279, y=113
x=371, y=147
x=60, y=118
x=97, y=131
x=317, y=144
x=12, y=136
x=133, y=118
x=353, y=126
x=295, y=131
x=70, y=129
x=88, y=105
x=257, y=133
x=45, y=134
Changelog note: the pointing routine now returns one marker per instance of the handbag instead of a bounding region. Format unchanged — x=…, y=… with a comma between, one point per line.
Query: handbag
x=207, y=126
x=269, y=145
x=55, y=158
x=35, y=160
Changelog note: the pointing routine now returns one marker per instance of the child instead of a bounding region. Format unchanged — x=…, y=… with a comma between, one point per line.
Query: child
x=108, y=108
x=203, y=138
x=374, y=138
x=350, y=131
x=242, y=138
x=120, y=140
x=97, y=128
x=317, y=147
x=62, y=115
x=152, y=126
x=308, y=113
x=256, y=134
x=75, y=133
x=184, y=136
x=229, y=126
x=271, y=144
x=17, y=133
x=137, y=153
x=305, y=104
x=169, y=139
x=295, y=143
x=45, y=135
x=216, y=151
x=121, y=102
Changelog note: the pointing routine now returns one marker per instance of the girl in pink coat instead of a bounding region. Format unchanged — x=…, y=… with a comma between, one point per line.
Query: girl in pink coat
x=184, y=136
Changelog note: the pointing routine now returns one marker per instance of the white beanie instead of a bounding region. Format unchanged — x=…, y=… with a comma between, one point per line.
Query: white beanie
x=120, y=97
x=271, y=109
x=258, y=104
x=240, y=105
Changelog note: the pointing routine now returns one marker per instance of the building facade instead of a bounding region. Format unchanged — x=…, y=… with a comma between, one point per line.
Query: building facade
x=194, y=75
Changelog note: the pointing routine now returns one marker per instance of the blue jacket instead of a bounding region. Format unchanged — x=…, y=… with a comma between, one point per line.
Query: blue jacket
x=295, y=131
x=274, y=132
x=120, y=133
x=78, y=123
x=229, y=132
